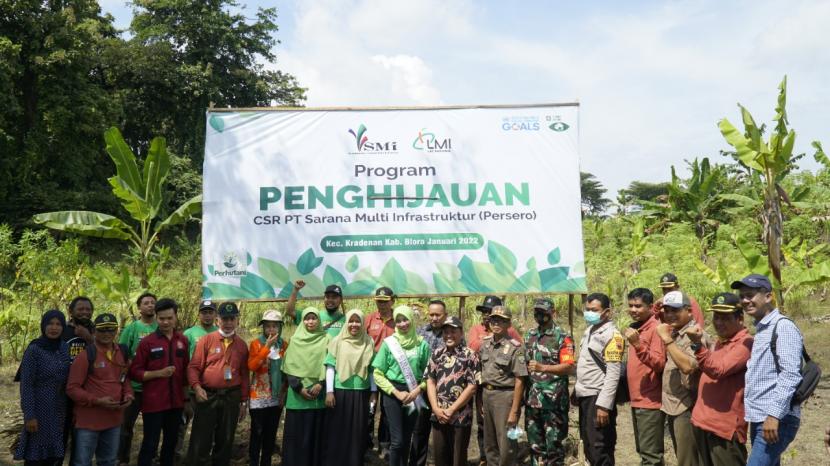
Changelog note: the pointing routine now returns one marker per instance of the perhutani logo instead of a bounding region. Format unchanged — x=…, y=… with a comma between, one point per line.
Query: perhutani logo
x=556, y=123
x=426, y=141
x=230, y=265
x=365, y=146
x=230, y=260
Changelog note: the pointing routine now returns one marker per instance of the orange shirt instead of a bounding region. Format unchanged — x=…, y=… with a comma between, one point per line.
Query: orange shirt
x=108, y=378
x=720, y=400
x=477, y=332
x=645, y=367
x=258, y=364
x=379, y=329
x=207, y=367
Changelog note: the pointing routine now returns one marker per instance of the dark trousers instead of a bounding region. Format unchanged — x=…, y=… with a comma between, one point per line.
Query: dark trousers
x=130, y=416
x=419, y=451
x=449, y=444
x=160, y=424
x=214, y=427
x=383, y=427
x=683, y=439
x=648, y=435
x=716, y=451
x=479, y=408
x=401, y=425
x=187, y=416
x=598, y=443
x=264, y=424
x=46, y=462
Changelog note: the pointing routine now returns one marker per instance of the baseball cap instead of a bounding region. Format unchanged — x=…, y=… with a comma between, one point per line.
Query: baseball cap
x=228, y=309
x=489, y=303
x=384, y=293
x=668, y=280
x=271, y=315
x=334, y=289
x=754, y=280
x=106, y=320
x=207, y=305
x=453, y=322
x=501, y=311
x=676, y=299
x=544, y=304
x=725, y=302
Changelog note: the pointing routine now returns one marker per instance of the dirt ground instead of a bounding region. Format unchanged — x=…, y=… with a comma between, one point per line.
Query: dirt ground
x=807, y=449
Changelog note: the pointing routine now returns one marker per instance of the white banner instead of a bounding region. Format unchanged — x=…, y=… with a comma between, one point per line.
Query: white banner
x=438, y=201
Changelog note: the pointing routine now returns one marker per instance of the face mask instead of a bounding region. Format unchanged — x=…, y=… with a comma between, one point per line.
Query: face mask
x=541, y=318
x=226, y=335
x=592, y=317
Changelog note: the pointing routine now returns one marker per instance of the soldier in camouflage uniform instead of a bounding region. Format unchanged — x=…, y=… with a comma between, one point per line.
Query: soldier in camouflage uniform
x=550, y=355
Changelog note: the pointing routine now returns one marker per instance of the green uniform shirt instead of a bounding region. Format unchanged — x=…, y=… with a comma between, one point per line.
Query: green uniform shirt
x=352, y=383
x=131, y=336
x=418, y=357
x=196, y=332
x=294, y=400
x=332, y=323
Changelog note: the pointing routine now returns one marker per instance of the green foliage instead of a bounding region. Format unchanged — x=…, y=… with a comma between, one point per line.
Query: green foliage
x=593, y=201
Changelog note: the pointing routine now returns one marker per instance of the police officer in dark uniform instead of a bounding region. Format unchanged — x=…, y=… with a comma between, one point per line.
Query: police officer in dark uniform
x=550, y=355
x=503, y=369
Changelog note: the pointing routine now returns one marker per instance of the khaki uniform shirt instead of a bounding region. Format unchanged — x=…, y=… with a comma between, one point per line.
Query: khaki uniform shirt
x=679, y=389
x=502, y=362
x=591, y=380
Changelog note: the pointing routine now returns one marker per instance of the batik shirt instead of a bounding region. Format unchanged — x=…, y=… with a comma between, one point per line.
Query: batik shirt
x=550, y=347
x=453, y=370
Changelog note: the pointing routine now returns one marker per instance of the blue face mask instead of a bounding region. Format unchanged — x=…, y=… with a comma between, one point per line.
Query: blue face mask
x=591, y=317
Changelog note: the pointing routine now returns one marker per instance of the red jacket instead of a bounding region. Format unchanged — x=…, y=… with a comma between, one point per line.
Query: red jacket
x=157, y=352
x=210, y=358
x=105, y=379
x=645, y=367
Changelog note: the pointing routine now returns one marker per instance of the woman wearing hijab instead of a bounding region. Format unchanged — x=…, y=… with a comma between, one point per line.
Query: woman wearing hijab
x=43, y=374
x=267, y=388
x=399, y=371
x=305, y=404
x=348, y=382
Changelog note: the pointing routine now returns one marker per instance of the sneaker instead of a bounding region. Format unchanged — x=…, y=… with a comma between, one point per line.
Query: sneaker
x=384, y=453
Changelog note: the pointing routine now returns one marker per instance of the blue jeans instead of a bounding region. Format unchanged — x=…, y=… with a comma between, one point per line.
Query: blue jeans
x=764, y=454
x=101, y=443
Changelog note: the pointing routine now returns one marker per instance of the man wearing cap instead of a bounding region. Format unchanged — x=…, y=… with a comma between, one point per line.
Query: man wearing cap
x=331, y=321
x=680, y=375
x=452, y=375
x=205, y=325
x=669, y=283
x=77, y=335
x=379, y=325
x=130, y=337
x=550, y=359
x=644, y=369
x=432, y=333
x=100, y=392
x=268, y=386
x=160, y=363
x=597, y=379
x=219, y=377
x=718, y=416
x=503, y=373
x=771, y=379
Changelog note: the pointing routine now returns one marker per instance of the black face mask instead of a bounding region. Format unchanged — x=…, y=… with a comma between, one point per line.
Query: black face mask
x=541, y=318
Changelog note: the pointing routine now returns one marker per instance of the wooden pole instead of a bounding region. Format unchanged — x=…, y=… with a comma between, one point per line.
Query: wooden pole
x=571, y=313
x=461, y=302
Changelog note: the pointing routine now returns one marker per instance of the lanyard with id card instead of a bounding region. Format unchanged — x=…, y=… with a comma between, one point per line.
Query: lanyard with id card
x=227, y=373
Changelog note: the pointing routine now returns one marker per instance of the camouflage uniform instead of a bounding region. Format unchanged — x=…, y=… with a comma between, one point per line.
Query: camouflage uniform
x=546, y=413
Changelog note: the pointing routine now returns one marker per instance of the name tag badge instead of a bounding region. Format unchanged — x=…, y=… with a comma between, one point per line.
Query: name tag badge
x=155, y=350
x=274, y=354
x=228, y=375
x=217, y=350
x=102, y=364
x=123, y=378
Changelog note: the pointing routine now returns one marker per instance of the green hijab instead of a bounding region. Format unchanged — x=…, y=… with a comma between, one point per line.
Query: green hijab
x=307, y=350
x=409, y=339
x=352, y=354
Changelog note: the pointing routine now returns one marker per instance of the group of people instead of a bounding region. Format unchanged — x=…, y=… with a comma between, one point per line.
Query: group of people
x=340, y=371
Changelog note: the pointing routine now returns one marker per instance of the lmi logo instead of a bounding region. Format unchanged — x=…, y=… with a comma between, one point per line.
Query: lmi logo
x=426, y=141
x=365, y=146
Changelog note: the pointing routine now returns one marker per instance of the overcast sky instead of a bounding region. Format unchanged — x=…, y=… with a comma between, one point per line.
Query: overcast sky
x=652, y=78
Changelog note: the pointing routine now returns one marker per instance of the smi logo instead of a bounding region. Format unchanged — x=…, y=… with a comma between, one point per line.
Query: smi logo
x=427, y=141
x=365, y=146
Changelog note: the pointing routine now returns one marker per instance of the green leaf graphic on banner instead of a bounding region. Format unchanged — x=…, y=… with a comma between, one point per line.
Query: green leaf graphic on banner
x=333, y=277
x=256, y=286
x=415, y=284
x=217, y=123
x=531, y=263
x=449, y=271
x=248, y=258
x=554, y=256
x=272, y=271
x=502, y=258
x=360, y=288
x=529, y=282
x=313, y=285
x=574, y=285
x=393, y=276
x=365, y=274
x=210, y=269
x=286, y=290
x=442, y=285
x=552, y=276
x=468, y=275
x=308, y=262
x=578, y=269
x=225, y=291
x=352, y=264
x=206, y=293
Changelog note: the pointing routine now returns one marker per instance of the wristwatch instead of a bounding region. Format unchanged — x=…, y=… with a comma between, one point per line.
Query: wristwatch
x=696, y=347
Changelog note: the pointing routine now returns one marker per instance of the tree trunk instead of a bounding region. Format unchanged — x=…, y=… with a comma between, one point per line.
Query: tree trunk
x=774, y=226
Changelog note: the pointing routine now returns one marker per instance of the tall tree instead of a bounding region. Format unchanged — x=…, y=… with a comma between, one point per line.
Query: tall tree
x=593, y=202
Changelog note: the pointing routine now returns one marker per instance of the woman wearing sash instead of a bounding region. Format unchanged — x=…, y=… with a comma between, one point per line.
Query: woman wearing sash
x=305, y=405
x=399, y=371
x=348, y=383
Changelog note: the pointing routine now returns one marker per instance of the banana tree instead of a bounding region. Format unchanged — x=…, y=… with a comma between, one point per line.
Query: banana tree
x=140, y=193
